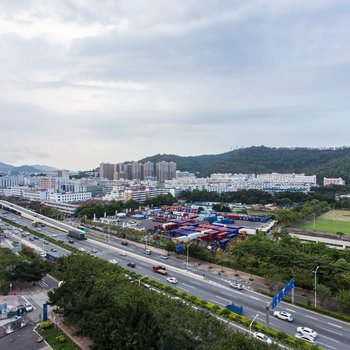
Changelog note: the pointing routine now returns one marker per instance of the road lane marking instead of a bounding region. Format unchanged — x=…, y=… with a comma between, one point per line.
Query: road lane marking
x=255, y=298
x=185, y=289
x=216, y=302
x=187, y=285
x=332, y=339
x=328, y=330
x=225, y=299
x=290, y=310
x=327, y=346
x=313, y=318
x=334, y=325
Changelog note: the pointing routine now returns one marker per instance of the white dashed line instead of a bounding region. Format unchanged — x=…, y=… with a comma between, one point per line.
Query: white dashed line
x=313, y=318
x=250, y=296
x=334, y=325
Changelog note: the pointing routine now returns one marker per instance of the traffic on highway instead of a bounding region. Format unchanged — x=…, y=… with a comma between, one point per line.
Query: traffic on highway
x=326, y=332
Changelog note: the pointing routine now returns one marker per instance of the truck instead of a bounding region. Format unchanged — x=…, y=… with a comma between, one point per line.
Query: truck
x=76, y=234
x=160, y=269
x=234, y=308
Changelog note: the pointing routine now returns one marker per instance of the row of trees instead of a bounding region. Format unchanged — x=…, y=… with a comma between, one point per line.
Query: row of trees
x=114, y=313
x=26, y=267
x=284, y=198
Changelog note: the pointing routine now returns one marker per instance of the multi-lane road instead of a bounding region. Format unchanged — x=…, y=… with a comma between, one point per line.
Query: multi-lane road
x=332, y=333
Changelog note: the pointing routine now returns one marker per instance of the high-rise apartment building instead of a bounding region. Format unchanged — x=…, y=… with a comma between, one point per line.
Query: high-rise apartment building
x=165, y=171
x=107, y=171
x=47, y=183
x=148, y=170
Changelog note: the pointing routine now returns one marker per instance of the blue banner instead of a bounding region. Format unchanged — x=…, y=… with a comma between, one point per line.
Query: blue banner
x=44, y=312
x=274, y=302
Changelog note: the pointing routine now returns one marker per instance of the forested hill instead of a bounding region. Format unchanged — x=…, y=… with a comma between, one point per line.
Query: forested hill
x=331, y=162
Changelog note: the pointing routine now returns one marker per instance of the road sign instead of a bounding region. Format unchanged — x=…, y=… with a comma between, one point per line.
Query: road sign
x=16, y=249
x=274, y=302
x=283, y=292
x=44, y=312
x=178, y=249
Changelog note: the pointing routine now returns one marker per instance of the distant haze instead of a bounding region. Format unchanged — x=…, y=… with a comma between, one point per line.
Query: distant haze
x=84, y=82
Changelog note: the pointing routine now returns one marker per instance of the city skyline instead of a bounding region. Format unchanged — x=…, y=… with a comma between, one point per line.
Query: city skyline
x=114, y=81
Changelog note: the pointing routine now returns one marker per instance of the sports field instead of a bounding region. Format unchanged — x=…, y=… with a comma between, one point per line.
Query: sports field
x=332, y=222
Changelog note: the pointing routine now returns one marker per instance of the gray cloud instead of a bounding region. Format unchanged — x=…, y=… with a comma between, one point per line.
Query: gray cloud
x=114, y=80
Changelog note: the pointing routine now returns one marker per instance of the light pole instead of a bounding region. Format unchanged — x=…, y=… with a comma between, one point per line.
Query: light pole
x=141, y=279
x=188, y=249
x=315, y=272
x=251, y=323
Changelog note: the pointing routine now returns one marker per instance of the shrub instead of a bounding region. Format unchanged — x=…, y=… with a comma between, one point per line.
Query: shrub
x=46, y=324
x=60, y=338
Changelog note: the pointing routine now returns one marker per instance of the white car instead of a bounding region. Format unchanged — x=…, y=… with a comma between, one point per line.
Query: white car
x=82, y=249
x=93, y=250
x=54, y=235
x=282, y=315
x=262, y=337
x=122, y=254
x=113, y=261
x=172, y=280
x=236, y=285
x=307, y=331
x=28, y=307
x=43, y=255
x=306, y=337
x=165, y=257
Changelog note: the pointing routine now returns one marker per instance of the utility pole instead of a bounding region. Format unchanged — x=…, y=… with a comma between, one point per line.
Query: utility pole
x=314, y=221
x=315, y=272
x=188, y=249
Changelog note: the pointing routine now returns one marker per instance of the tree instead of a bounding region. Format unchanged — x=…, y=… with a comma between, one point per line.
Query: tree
x=343, y=299
x=324, y=294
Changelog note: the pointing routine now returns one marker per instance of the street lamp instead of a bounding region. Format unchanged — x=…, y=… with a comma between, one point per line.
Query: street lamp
x=315, y=272
x=251, y=323
x=141, y=279
x=188, y=249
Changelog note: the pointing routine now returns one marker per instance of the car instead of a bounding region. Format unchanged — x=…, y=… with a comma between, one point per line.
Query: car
x=31, y=238
x=43, y=255
x=93, y=250
x=165, y=257
x=306, y=337
x=46, y=242
x=54, y=235
x=124, y=243
x=53, y=249
x=283, y=315
x=82, y=249
x=262, y=337
x=35, y=237
x=7, y=236
x=28, y=307
x=172, y=280
x=70, y=241
x=131, y=264
x=113, y=261
x=307, y=331
x=147, y=251
x=236, y=285
x=122, y=254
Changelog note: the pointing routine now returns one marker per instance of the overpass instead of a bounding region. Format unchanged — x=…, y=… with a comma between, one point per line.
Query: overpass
x=32, y=215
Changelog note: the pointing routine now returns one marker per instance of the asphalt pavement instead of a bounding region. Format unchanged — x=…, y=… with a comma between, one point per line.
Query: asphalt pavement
x=332, y=333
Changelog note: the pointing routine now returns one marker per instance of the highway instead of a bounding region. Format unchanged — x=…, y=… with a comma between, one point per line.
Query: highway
x=332, y=333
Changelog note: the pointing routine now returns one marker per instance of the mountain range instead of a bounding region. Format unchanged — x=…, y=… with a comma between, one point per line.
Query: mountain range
x=26, y=168
x=324, y=162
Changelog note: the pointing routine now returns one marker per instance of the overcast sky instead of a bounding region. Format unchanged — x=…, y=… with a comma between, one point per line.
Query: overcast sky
x=84, y=82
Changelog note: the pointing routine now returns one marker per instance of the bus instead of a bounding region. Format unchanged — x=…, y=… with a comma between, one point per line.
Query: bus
x=82, y=228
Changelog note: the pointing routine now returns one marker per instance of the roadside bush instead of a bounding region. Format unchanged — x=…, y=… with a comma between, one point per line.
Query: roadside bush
x=46, y=324
x=60, y=338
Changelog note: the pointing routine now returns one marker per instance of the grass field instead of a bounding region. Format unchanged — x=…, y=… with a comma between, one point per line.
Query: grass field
x=51, y=333
x=331, y=222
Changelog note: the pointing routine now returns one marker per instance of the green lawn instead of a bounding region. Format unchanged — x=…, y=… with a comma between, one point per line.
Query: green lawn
x=51, y=333
x=329, y=226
